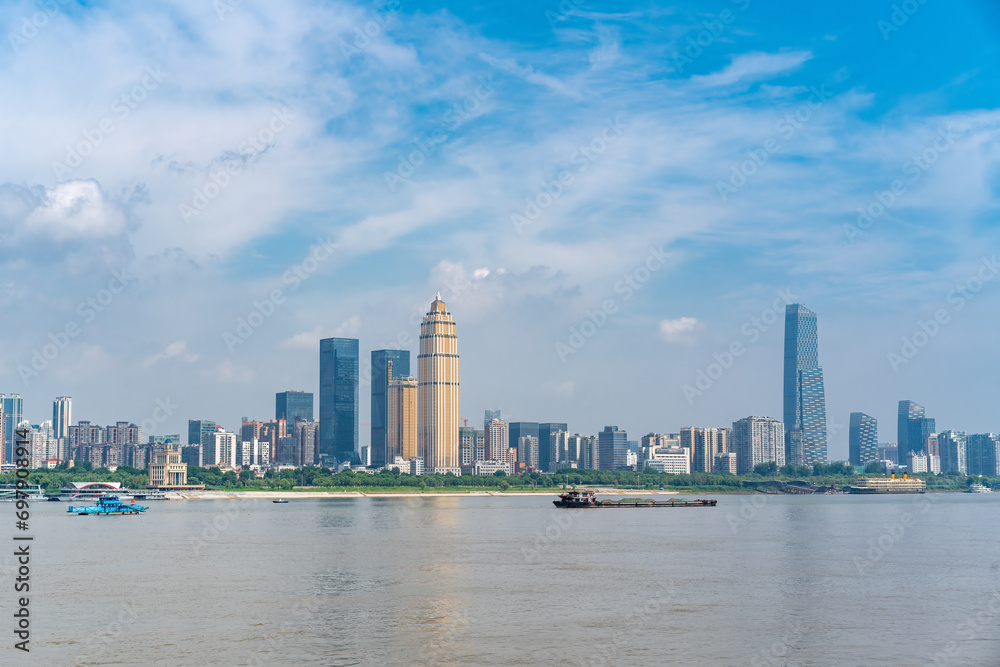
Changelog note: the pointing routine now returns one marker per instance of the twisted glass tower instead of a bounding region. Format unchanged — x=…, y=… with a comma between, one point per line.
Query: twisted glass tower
x=804, y=396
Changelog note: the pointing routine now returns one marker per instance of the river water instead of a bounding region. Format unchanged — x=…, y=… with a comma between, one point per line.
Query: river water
x=758, y=580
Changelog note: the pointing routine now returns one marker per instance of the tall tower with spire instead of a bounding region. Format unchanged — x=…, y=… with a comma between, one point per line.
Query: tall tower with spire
x=437, y=391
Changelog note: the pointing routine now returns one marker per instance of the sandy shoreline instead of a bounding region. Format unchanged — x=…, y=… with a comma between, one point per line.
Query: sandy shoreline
x=291, y=495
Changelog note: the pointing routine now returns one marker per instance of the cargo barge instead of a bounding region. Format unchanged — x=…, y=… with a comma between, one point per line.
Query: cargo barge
x=573, y=499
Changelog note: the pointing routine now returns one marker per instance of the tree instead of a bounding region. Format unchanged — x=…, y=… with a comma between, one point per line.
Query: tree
x=768, y=468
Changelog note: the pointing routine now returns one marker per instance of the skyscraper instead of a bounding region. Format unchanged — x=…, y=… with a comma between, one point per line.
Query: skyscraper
x=13, y=410
x=386, y=365
x=952, y=445
x=758, y=440
x=918, y=434
x=862, y=439
x=401, y=419
x=338, y=401
x=804, y=395
x=982, y=454
x=62, y=416
x=496, y=439
x=545, y=432
x=198, y=428
x=907, y=410
x=612, y=447
x=292, y=405
x=437, y=390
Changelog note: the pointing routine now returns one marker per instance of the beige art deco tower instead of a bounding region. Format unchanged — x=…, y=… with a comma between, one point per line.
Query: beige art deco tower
x=437, y=391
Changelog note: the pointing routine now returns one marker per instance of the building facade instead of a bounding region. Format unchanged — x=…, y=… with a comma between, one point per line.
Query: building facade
x=401, y=418
x=437, y=391
x=982, y=454
x=292, y=405
x=612, y=449
x=952, y=445
x=338, y=401
x=804, y=393
x=862, y=439
x=386, y=366
x=758, y=440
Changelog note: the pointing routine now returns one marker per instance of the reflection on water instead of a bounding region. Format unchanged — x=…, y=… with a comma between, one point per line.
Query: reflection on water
x=446, y=581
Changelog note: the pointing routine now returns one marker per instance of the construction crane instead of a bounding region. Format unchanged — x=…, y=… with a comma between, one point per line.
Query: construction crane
x=466, y=421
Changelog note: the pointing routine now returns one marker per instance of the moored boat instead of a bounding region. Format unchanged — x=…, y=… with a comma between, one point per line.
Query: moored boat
x=976, y=487
x=107, y=505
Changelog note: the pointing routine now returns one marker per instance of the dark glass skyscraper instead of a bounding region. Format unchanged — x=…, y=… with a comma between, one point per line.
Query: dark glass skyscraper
x=612, y=448
x=863, y=439
x=380, y=386
x=197, y=428
x=804, y=395
x=13, y=412
x=338, y=401
x=907, y=410
x=292, y=405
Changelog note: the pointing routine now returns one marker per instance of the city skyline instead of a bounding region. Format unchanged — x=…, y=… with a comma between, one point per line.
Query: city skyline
x=672, y=205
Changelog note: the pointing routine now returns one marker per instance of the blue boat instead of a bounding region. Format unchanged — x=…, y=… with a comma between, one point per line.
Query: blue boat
x=106, y=506
x=279, y=500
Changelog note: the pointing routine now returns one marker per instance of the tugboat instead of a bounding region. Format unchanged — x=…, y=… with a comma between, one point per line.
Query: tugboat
x=572, y=499
x=106, y=506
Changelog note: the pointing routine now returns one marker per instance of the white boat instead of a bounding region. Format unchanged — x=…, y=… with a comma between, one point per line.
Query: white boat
x=976, y=487
x=8, y=492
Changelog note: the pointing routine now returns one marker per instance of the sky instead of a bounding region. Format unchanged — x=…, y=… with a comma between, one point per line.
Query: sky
x=615, y=200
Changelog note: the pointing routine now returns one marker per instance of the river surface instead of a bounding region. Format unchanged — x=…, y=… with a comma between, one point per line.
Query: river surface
x=758, y=580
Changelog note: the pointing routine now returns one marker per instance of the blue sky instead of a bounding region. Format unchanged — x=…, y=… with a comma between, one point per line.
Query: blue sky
x=557, y=151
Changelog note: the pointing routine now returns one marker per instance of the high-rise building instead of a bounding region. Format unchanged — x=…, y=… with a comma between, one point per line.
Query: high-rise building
x=918, y=435
x=613, y=448
x=386, y=366
x=952, y=445
x=13, y=410
x=527, y=451
x=197, y=428
x=908, y=410
x=338, y=401
x=888, y=451
x=292, y=405
x=219, y=448
x=401, y=419
x=862, y=439
x=62, y=416
x=804, y=394
x=982, y=451
x=490, y=415
x=545, y=432
x=307, y=437
x=496, y=439
x=437, y=391
x=758, y=440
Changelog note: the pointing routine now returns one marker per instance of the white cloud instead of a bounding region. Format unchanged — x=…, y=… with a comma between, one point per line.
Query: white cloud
x=750, y=67
x=679, y=330
x=176, y=350
x=349, y=327
x=307, y=340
